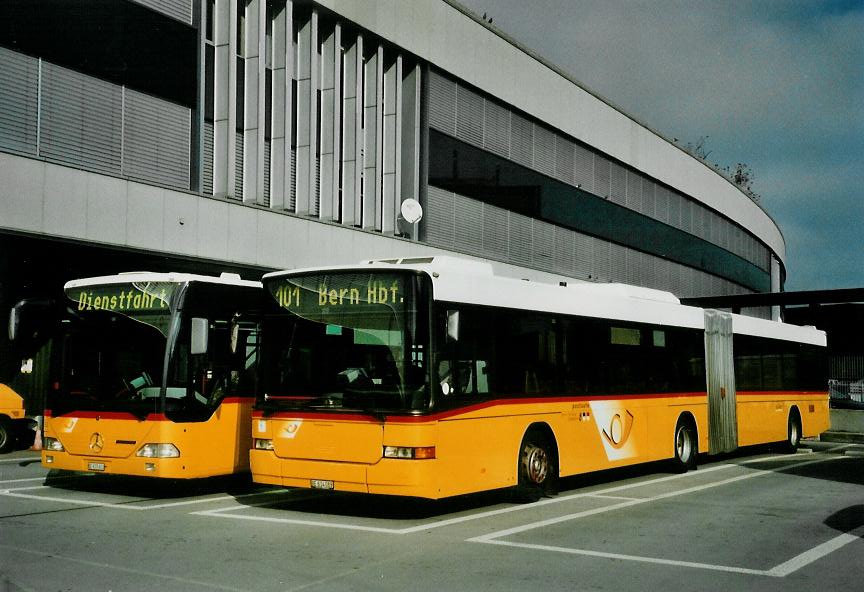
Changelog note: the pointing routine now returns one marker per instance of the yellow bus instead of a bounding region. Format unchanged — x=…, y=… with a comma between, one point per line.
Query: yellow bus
x=434, y=377
x=15, y=426
x=153, y=374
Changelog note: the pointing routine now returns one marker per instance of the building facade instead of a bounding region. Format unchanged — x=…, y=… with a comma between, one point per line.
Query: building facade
x=252, y=135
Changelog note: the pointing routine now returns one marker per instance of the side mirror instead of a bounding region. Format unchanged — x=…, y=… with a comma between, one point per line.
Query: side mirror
x=15, y=322
x=452, y=325
x=200, y=334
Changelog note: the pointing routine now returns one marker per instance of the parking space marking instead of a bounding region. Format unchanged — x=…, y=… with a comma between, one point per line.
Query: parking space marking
x=22, y=480
x=781, y=570
x=125, y=505
x=21, y=460
x=224, y=512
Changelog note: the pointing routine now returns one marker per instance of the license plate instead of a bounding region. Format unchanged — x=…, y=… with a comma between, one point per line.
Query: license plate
x=321, y=484
x=94, y=466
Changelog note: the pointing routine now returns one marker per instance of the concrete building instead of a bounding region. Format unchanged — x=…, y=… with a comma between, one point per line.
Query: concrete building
x=251, y=135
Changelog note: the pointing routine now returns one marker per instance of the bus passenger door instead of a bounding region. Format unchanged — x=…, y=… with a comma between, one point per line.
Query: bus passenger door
x=720, y=374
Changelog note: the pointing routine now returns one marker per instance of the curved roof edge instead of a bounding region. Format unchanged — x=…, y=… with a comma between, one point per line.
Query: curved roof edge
x=445, y=33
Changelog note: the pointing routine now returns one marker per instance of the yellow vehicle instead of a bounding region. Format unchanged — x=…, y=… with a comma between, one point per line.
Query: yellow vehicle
x=14, y=423
x=154, y=376
x=433, y=377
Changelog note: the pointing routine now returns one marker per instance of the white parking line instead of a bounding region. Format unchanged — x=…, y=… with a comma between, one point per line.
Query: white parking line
x=21, y=460
x=126, y=505
x=781, y=570
x=223, y=512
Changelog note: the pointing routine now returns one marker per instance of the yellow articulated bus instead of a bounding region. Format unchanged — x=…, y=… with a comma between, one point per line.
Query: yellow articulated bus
x=433, y=377
x=153, y=375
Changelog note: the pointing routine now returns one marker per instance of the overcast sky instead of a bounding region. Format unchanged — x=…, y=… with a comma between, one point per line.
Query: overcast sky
x=778, y=85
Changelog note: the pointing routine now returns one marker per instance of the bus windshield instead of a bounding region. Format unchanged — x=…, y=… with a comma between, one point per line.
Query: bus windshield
x=346, y=341
x=113, y=346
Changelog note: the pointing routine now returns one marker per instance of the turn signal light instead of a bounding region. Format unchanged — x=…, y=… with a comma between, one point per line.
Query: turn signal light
x=407, y=452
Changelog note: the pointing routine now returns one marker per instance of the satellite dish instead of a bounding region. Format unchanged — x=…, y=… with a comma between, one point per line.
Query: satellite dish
x=411, y=210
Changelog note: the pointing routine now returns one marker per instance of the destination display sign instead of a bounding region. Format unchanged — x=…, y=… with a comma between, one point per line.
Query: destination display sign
x=137, y=297
x=314, y=295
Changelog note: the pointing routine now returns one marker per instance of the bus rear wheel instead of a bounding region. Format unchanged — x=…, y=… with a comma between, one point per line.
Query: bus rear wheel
x=793, y=432
x=537, y=468
x=686, y=446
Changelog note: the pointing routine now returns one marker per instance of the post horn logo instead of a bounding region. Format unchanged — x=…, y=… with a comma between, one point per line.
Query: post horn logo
x=96, y=442
x=618, y=430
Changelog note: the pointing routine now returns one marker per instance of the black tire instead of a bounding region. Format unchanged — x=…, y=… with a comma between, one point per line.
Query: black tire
x=537, y=468
x=686, y=446
x=7, y=437
x=793, y=432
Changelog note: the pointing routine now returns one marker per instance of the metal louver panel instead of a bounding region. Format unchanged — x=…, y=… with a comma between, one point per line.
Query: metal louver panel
x=469, y=116
x=634, y=191
x=520, y=239
x=602, y=263
x=584, y=254
x=563, y=254
x=496, y=129
x=649, y=200
x=468, y=224
x=521, y=140
x=618, y=192
x=267, y=165
x=543, y=238
x=544, y=150
x=583, y=173
x=439, y=217
x=81, y=120
x=207, y=151
x=564, y=159
x=602, y=176
x=156, y=140
x=19, y=84
x=496, y=232
x=292, y=194
x=442, y=103
x=238, y=165
x=661, y=195
x=178, y=9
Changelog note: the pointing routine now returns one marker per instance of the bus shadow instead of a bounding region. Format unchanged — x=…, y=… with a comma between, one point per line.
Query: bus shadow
x=849, y=520
x=145, y=487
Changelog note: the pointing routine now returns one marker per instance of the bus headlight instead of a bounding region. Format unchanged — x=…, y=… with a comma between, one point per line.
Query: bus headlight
x=158, y=451
x=406, y=452
x=263, y=444
x=49, y=443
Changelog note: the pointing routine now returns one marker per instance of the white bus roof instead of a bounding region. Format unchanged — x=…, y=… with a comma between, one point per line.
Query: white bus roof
x=226, y=279
x=474, y=282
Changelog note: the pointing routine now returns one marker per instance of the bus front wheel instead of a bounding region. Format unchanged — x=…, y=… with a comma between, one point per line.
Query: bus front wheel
x=686, y=446
x=537, y=468
x=7, y=437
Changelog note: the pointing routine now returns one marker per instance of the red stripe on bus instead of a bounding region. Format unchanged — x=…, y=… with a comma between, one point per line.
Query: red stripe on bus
x=463, y=410
x=240, y=400
x=108, y=415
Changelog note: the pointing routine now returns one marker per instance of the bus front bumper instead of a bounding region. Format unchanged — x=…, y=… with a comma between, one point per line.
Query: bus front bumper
x=410, y=478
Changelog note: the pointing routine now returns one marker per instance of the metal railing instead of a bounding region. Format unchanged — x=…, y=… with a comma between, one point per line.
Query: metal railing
x=846, y=394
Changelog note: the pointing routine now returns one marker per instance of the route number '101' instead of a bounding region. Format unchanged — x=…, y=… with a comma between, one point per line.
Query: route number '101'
x=288, y=296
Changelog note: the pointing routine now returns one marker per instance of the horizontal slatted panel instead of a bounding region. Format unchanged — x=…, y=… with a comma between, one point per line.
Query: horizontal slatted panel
x=564, y=159
x=521, y=140
x=469, y=116
x=292, y=194
x=207, y=150
x=81, y=120
x=468, y=224
x=238, y=165
x=156, y=140
x=496, y=232
x=543, y=239
x=520, y=239
x=544, y=150
x=178, y=9
x=583, y=254
x=19, y=83
x=439, y=217
x=564, y=252
x=634, y=190
x=267, y=165
x=649, y=200
x=583, y=173
x=618, y=190
x=496, y=129
x=442, y=103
